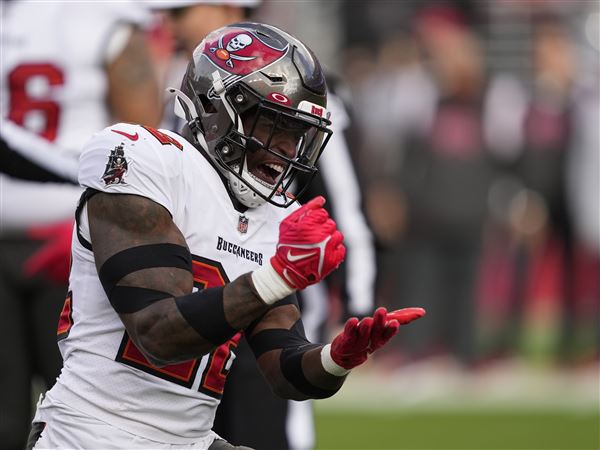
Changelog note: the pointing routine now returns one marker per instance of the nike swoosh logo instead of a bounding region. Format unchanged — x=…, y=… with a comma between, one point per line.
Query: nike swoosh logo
x=133, y=137
x=293, y=258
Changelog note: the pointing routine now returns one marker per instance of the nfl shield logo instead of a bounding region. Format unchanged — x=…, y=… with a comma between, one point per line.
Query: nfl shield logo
x=243, y=224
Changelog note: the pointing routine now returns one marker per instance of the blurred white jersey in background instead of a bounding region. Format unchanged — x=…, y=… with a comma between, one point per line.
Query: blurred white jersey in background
x=53, y=82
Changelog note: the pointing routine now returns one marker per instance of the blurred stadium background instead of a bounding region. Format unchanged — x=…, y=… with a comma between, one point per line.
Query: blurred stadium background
x=476, y=142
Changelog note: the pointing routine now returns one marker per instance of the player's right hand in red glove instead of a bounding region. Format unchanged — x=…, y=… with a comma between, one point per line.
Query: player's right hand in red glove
x=310, y=248
x=352, y=346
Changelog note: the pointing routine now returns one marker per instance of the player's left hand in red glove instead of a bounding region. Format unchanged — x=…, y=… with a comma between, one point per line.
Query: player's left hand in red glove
x=359, y=339
x=53, y=258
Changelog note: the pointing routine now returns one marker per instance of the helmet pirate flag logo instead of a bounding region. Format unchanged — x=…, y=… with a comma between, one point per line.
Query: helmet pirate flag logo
x=240, y=51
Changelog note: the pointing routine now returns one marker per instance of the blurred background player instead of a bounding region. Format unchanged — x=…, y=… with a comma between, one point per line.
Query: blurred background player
x=67, y=70
x=438, y=248
x=290, y=422
x=27, y=156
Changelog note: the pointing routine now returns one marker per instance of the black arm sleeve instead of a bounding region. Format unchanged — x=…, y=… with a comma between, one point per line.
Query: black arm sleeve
x=293, y=345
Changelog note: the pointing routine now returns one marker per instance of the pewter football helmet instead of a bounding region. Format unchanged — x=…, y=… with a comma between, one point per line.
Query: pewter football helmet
x=250, y=75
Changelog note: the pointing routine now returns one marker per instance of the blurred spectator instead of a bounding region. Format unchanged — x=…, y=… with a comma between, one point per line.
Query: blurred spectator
x=423, y=102
x=436, y=187
x=583, y=193
x=542, y=168
x=536, y=143
x=67, y=70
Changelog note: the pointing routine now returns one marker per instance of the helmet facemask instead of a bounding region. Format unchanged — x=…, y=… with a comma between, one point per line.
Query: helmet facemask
x=271, y=148
x=267, y=146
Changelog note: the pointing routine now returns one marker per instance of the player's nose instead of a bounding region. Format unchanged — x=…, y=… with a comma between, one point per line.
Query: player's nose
x=284, y=145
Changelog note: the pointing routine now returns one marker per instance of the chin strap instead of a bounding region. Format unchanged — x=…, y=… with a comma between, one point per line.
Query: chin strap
x=241, y=189
x=185, y=109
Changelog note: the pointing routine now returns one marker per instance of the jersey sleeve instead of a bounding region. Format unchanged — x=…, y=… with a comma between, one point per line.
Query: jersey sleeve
x=128, y=159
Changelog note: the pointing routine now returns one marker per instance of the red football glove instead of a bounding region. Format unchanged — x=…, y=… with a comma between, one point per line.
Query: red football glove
x=310, y=248
x=352, y=346
x=53, y=258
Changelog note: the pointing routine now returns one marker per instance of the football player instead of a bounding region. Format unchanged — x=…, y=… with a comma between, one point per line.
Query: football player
x=183, y=246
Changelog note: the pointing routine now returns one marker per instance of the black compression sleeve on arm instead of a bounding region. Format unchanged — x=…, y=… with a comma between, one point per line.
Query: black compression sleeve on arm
x=293, y=345
x=273, y=339
x=142, y=257
x=291, y=367
x=129, y=299
x=203, y=310
x=205, y=313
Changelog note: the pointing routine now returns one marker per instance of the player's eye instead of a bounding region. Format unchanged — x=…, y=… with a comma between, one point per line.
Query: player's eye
x=294, y=126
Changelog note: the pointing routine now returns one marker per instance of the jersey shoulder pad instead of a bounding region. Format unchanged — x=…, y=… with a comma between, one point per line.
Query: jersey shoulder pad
x=131, y=159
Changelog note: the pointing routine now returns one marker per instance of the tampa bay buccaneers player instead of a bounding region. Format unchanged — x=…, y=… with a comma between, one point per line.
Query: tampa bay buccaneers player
x=184, y=246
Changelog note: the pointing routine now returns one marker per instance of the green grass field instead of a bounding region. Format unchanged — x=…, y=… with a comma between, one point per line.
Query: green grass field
x=435, y=405
x=458, y=430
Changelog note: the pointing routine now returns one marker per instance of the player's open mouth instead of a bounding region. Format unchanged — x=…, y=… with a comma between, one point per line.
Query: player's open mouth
x=267, y=173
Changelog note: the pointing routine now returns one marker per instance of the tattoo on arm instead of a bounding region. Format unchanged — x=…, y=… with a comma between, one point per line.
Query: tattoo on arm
x=242, y=303
x=118, y=222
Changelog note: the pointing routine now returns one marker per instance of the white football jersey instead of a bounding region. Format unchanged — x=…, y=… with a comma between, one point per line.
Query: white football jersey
x=104, y=374
x=53, y=82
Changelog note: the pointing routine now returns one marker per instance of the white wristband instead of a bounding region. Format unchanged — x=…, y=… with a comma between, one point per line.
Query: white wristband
x=330, y=365
x=269, y=285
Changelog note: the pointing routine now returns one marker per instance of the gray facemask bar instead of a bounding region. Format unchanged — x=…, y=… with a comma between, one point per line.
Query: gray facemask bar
x=220, y=90
x=185, y=109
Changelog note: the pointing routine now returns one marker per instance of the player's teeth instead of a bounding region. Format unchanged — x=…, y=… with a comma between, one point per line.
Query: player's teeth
x=275, y=167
